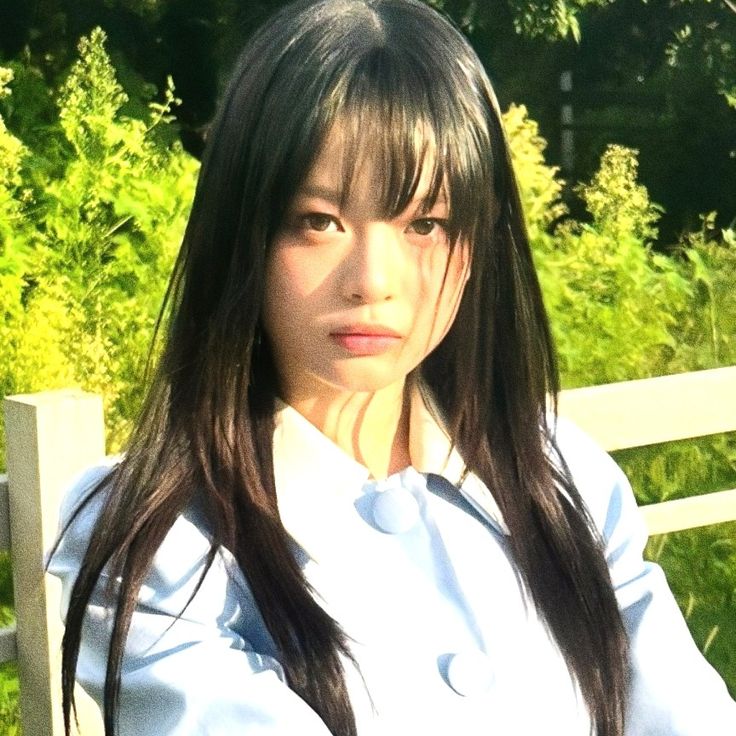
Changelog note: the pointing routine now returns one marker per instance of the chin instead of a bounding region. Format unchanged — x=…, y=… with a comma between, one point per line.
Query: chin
x=365, y=381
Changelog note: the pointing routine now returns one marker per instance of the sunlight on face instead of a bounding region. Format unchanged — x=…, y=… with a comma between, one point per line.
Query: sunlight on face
x=354, y=302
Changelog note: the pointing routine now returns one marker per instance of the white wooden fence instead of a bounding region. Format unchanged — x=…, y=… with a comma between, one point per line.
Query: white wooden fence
x=52, y=436
x=664, y=409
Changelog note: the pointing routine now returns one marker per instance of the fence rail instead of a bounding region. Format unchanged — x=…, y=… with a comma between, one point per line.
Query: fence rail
x=653, y=410
x=52, y=436
x=663, y=409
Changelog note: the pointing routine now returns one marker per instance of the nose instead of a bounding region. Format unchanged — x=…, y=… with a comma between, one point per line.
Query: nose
x=372, y=264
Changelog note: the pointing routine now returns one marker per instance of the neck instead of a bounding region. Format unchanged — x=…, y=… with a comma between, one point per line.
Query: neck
x=372, y=427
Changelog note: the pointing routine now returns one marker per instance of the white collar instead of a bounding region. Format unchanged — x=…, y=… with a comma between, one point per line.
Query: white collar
x=312, y=472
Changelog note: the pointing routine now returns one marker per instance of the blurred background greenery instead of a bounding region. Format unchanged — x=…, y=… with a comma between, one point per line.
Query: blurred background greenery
x=622, y=119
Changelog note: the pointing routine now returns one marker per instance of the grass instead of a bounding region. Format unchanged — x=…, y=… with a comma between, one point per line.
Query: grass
x=9, y=715
x=701, y=567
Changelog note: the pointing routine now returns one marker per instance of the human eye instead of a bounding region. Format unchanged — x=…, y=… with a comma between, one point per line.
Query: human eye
x=429, y=226
x=319, y=222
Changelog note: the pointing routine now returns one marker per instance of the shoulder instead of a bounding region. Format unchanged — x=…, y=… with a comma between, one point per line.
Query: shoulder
x=184, y=563
x=80, y=508
x=602, y=485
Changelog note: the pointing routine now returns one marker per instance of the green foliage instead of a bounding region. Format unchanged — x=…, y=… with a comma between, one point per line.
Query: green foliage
x=701, y=570
x=539, y=184
x=91, y=222
x=92, y=208
x=614, y=302
x=90, y=100
x=9, y=715
x=9, y=691
x=700, y=563
x=681, y=469
x=705, y=40
x=619, y=205
x=12, y=249
x=144, y=8
x=6, y=590
x=707, y=332
x=550, y=18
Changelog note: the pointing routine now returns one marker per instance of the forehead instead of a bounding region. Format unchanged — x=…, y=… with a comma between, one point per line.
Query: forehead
x=371, y=168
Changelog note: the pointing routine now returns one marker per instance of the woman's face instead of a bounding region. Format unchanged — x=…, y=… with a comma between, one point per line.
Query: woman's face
x=355, y=302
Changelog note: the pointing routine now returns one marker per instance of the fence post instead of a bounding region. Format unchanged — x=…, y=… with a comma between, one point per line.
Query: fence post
x=51, y=437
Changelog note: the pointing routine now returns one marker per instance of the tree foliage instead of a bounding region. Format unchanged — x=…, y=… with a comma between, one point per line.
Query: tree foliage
x=658, y=76
x=551, y=18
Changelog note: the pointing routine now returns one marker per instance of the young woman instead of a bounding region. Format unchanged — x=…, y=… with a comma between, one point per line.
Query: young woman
x=345, y=508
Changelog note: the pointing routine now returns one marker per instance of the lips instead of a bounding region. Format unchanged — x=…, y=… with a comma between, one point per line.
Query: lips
x=365, y=339
x=372, y=330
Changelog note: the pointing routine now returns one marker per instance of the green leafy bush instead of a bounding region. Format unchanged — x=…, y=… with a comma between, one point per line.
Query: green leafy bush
x=92, y=219
x=614, y=302
x=706, y=333
x=701, y=569
x=539, y=184
x=13, y=252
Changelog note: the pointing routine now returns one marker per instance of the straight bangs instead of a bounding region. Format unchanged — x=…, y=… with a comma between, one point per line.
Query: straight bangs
x=399, y=116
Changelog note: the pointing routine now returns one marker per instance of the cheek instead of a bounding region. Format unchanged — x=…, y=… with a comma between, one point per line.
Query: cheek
x=281, y=299
x=286, y=278
x=444, y=279
x=293, y=282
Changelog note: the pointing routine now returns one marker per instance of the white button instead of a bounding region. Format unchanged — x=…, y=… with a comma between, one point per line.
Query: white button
x=395, y=510
x=470, y=673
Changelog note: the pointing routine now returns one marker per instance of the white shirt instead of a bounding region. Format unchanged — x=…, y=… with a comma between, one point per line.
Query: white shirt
x=416, y=570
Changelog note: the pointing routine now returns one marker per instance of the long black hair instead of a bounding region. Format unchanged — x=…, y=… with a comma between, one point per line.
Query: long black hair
x=384, y=69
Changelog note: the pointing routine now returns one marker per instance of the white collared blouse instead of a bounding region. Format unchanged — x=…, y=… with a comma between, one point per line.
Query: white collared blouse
x=417, y=571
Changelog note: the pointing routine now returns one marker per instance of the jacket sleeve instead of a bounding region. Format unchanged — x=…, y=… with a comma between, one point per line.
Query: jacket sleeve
x=674, y=691
x=188, y=670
